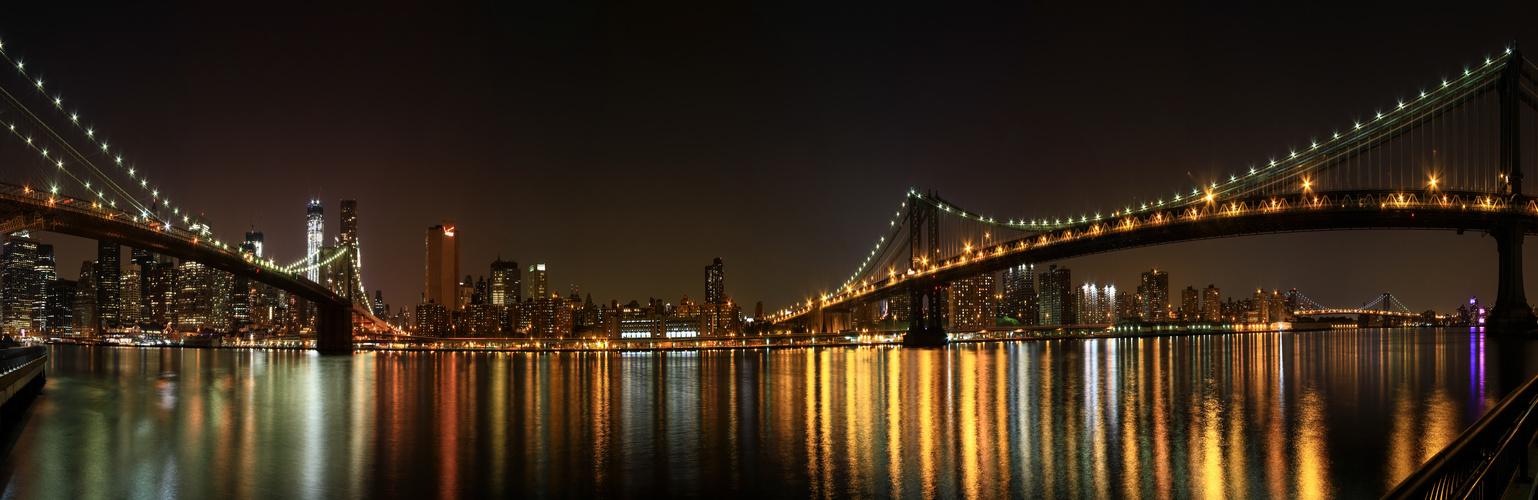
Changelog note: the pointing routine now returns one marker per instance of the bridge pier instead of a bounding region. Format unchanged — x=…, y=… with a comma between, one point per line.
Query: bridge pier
x=925, y=328
x=333, y=329
x=1511, y=313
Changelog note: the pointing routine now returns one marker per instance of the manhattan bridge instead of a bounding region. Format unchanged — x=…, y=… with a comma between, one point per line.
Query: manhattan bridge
x=1449, y=158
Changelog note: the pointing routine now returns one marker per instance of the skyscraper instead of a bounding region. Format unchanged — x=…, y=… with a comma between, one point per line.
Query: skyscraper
x=352, y=285
x=538, y=287
x=130, y=289
x=1058, y=306
x=17, y=285
x=506, y=285
x=972, y=302
x=1155, y=289
x=109, y=263
x=1212, y=304
x=314, y=236
x=1018, y=299
x=254, y=238
x=442, y=266
x=715, y=283
x=83, y=319
x=44, y=272
x=147, y=262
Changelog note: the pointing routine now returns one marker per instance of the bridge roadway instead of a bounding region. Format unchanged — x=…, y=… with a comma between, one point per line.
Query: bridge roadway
x=1311, y=211
x=24, y=208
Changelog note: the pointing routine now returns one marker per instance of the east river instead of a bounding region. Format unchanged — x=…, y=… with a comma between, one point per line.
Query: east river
x=1318, y=414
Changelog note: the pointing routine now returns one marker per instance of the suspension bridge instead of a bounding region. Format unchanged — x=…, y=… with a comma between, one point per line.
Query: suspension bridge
x=1450, y=158
x=63, y=176
x=1385, y=305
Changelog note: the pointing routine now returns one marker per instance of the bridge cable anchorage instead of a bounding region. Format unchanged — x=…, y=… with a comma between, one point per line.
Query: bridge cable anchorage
x=90, y=135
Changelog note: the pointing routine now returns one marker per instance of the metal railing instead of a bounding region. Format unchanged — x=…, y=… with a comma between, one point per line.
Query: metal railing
x=1483, y=460
x=11, y=359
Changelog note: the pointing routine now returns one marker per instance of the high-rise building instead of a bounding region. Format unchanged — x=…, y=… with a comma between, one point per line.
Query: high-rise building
x=194, y=306
x=255, y=239
x=60, y=300
x=1189, y=310
x=1096, y=304
x=109, y=263
x=442, y=266
x=1212, y=304
x=83, y=319
x=505, y=286
x=379, y=308
x=1058, y=306
x=538, y=285
x=45, y=272
x=130, y=290
x=162, y=294
x=352, y=275
x=1154, y=289
x=18, y=285
x=715, y=283
x=1018, y=299
x=147, y=262
x=314, y=236
x=972, y=302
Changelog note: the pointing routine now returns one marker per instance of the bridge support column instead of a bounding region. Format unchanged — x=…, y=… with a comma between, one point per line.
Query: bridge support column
x=924, y=327
x=333, y=329
x=1511, y=313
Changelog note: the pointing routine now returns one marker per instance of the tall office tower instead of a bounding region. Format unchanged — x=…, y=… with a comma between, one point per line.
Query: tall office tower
x=44, y=272
x=239, y=298
x=162, y=292
x=1212, y=304
x=505, y=283
x=1155, y=290
x=109, y=263
x=314, y=236
x=1018, y=299
x=147, y=261
x=18, y=284
x=972, y=302
x=194, y=306
x=1058, y=306
x=60, y=301
x=130, y=289
x=83, y=319
x=255, y=239
x=758, y=309
x=538, y=287
x=442, y=266
x=715, y=283
x=348, y=240
x=482, y=293
x=1260, y=305
x=379, y=308
x=1189, y=309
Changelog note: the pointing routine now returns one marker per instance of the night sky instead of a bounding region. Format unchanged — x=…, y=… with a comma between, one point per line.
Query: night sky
x=626, y=145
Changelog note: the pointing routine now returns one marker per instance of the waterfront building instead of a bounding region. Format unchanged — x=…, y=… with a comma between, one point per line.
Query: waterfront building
x=193, y=308
x=18, y=285
x=59, y=305
x=972, y=302
x=433, y=320
x=1018, y=299
x=1096, y=304
x=109, y=265
x=506, y=284
x=1189, y=304
x=1127, y=306
x=162, y=295
x=130, y=288
x=314, y=237
x=147, y=262
x=44, y=273
x=1154, y=289
x=1058, y=305
x=549, y=317
x=1212, y=304
x=442, y=265
x=83, y=317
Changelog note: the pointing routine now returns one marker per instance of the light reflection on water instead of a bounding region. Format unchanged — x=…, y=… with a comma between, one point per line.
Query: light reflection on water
x=1326, y=414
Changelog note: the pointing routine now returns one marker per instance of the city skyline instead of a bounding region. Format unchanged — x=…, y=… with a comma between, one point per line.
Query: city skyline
x=1004, y=138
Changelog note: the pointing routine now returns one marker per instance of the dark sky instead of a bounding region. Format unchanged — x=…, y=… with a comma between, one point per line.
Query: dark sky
x=626, y=144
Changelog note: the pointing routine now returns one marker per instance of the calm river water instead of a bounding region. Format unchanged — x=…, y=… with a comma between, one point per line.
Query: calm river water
x=1324, y=414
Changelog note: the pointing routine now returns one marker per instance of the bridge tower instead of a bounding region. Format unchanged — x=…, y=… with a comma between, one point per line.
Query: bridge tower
x=925, y=324
x=1511, y=313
